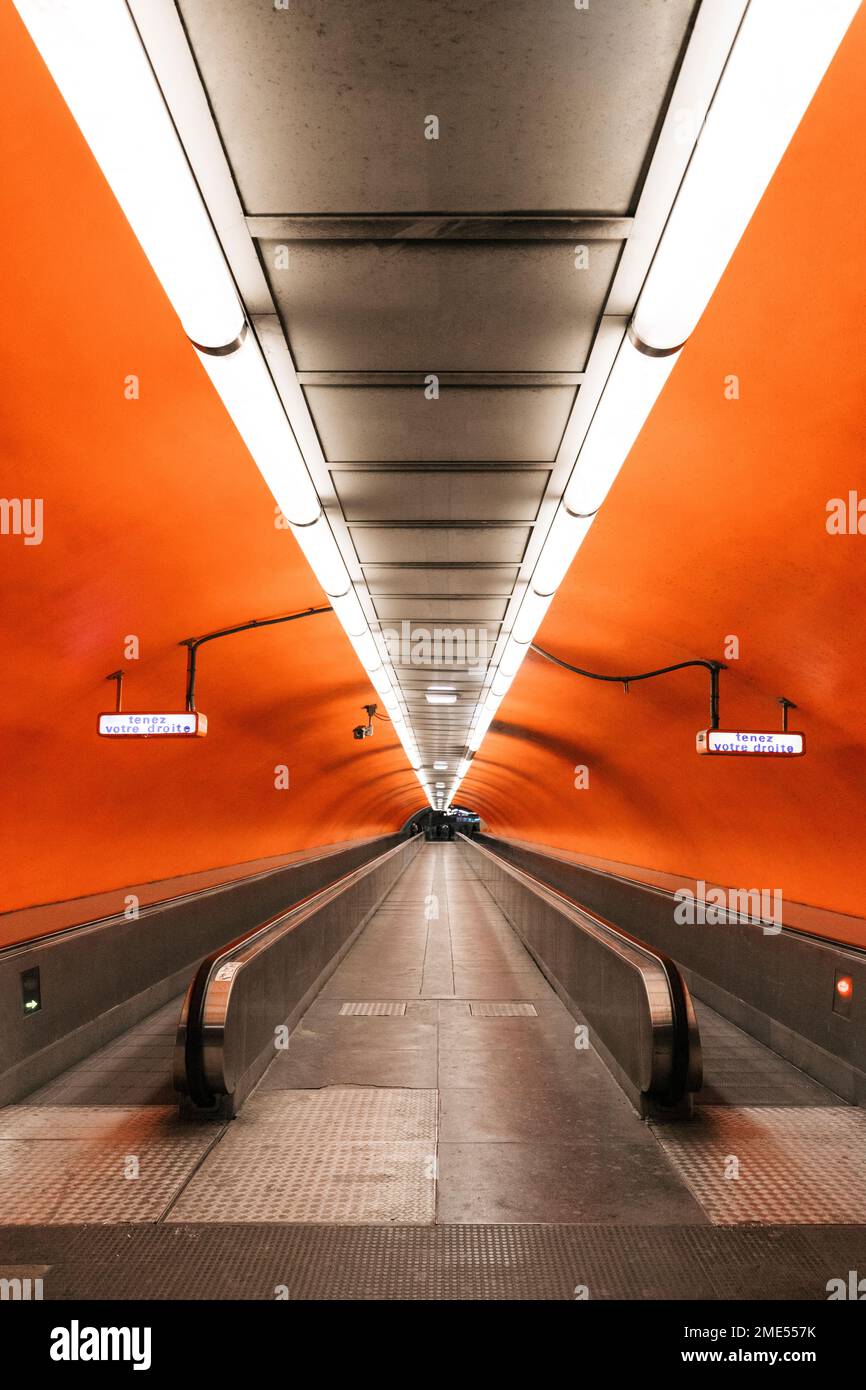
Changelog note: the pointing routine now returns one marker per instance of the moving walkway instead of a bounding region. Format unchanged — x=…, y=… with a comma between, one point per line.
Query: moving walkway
x=633, y=999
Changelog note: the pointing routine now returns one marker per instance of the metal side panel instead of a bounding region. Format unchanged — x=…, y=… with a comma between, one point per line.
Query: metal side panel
x=778, y=984
x=637, y=1006
x=101, y=977
x=246, y=999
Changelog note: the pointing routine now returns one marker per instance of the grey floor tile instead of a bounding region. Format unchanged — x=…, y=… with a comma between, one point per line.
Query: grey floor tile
x=504, y=1113
x=579, y=1183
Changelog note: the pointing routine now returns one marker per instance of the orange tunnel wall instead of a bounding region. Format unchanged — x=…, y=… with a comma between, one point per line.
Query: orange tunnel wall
x=158, y=525
x=717, y=527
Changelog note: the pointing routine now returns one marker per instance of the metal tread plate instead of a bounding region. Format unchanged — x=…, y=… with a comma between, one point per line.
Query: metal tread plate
x=60, y=1165
x=772, y=1165
x=341, y=1154
x=506, y=1009
x=408, y=1263
x=364, y=1184
x=384, y=1009
x=339, y=1115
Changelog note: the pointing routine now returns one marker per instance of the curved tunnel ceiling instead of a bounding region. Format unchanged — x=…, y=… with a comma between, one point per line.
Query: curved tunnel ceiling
x=157, y=525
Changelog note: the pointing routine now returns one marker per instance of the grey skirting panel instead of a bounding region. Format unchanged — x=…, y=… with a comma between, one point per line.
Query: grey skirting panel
x=779, y=987
x=99, y=979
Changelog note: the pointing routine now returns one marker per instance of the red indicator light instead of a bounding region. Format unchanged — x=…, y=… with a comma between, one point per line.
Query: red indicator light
x=845, y=986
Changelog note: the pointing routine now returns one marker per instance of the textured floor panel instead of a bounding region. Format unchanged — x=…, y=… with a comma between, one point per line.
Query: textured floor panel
x=338, y=1115
x=393, y=1009
x=98, y=1165
x=364, y=1184
x=483, y=1009
x=489, y=1262
x=122, y=1125
x=761, y=1262
x=339, y=1155
x=796, y=1165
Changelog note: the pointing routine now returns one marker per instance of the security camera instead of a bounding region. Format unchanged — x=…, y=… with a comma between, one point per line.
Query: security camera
x=365, y=730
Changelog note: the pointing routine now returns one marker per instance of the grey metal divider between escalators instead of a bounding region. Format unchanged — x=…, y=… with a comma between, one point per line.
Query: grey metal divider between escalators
x=243, y=994
x=634, y=999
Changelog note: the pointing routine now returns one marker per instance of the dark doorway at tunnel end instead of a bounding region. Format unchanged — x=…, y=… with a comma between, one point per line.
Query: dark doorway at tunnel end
x=442, y=825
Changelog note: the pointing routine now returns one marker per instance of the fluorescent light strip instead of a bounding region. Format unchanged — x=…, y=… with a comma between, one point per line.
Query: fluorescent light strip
x=244, y=383
x=95, y=56
x=560, y=547
x=631, y=390
x=779, y=56
x=351, y=614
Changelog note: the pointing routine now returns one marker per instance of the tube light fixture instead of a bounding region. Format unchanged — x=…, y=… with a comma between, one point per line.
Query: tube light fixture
x=500, y=685
x=482, y=724
x=502, y=681
x=435, y=699
x=779, y=55
x=323, y=556
x=381, y=684
x=512, y=657
x=367, y=651
x=631, y=391
x=350, y=613
x=94, y=54
x=561, y=544
x=530, y=615
x=440, y=767
x=244, y=383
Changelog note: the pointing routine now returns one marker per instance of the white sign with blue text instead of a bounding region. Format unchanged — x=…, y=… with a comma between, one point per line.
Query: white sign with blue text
x=777, y=743
x=188, y=724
